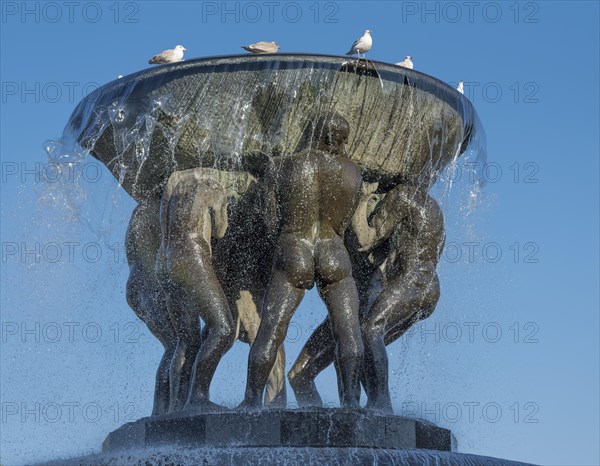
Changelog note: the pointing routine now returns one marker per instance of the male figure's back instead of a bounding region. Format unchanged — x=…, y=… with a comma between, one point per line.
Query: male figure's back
x=317, y=194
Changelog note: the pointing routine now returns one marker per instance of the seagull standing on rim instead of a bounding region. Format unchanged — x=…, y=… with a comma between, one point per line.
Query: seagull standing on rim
x=461, y=87
x=406, y=63
x=362, y=45
x=262, y=47
x=168, y=56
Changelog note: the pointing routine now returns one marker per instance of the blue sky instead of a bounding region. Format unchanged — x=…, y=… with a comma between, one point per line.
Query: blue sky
x=509, y=360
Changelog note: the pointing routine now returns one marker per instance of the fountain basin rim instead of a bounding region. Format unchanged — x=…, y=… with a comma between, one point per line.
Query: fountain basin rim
x=417, y=76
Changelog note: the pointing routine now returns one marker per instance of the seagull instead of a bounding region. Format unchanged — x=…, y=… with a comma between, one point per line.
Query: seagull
x=168, y=56
x=406, y=63
x=362, y=44
x=461, y=87
x=262, y=47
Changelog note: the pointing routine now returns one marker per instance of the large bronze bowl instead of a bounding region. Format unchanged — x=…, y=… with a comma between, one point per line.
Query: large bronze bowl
x=215, y=112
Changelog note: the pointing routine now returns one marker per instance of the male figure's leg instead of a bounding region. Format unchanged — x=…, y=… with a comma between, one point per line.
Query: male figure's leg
x=293, y=275
x=187, y=327
x=275, y=394
x=316, y=355
x=208, y=301
x=146, y=298
x=338, y=290
x=319, y=351
x=396, y=309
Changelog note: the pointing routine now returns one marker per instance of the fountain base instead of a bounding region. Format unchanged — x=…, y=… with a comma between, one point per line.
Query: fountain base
x=323, y=428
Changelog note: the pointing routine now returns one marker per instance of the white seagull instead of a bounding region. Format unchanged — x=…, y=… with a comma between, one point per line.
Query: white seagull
x=406, y=63
x=361, y=45
x=262, y=47
x=168, y=56
x=461, y=87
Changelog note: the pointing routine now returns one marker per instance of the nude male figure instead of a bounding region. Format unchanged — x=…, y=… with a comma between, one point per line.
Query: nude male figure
x=403, y=242
x=316, y=192
x=193, y=211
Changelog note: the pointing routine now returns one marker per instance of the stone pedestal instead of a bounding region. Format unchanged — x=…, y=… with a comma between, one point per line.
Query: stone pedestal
x=333, y=428
x=291, y=437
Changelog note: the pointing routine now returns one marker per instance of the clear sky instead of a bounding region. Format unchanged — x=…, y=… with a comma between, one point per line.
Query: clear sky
x=509, y=360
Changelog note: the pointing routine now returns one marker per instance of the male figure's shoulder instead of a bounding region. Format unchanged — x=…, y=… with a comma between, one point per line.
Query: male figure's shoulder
x=350, y=164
